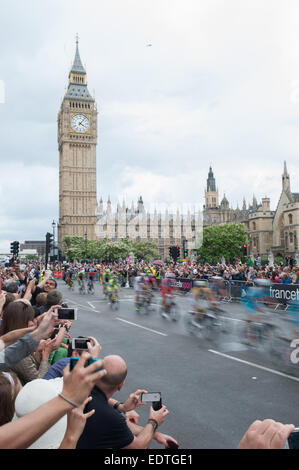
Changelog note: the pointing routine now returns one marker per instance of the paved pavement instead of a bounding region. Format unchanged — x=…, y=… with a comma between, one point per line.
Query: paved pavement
x=213, y=391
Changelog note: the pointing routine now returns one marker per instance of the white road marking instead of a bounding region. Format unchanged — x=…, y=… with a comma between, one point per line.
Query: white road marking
x=92, y=306
x=252, y=364
x=139, y=326
x=84, y=307
x=232, y=319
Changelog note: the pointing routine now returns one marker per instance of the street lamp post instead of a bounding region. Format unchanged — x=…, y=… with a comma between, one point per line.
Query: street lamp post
x=85, y=236
x=54, y=244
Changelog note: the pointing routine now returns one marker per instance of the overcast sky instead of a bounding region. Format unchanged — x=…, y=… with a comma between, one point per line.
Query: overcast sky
x=219, y=86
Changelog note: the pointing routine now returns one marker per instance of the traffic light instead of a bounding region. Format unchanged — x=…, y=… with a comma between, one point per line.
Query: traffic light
x=49, y=242
x=186, y=252
x=14, y=248
x=172, y=252
x=17, y=249
x=49, y=245
x=245, y=249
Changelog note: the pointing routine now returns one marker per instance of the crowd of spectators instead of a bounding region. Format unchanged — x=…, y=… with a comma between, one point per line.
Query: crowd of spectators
x=237, y=271
x=36, y=381
x=45, y=404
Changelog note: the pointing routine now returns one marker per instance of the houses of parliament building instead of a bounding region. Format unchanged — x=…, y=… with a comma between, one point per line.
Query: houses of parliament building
x=81, y=215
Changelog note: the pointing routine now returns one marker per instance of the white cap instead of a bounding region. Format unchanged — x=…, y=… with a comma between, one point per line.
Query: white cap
x=32, y=396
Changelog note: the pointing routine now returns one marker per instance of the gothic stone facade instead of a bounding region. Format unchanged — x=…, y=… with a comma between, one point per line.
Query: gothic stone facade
x=164, y=229
x=275, y=231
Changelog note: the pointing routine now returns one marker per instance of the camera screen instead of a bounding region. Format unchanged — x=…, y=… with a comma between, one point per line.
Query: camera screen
x=66, y=314
x=80, y=343
x=151, y=397
x=293, y=440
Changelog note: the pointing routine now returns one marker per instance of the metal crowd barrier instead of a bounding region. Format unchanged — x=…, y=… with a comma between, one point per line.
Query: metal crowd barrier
x=280, y=295
x=230, y=291
x=284, y=294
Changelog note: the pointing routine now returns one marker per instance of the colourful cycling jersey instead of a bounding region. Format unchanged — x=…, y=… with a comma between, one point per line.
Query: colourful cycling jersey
x=168, y=285
x=253, y=296
x=112, y=285
x=106, y=277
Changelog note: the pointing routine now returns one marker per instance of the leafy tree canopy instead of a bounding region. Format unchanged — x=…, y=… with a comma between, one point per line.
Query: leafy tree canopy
x=222, y=241
x=79, y=248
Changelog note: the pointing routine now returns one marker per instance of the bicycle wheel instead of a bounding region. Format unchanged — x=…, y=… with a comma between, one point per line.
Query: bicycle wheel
x=190, y=328
x=142, y=307
x=209, y=331
x=174, y=312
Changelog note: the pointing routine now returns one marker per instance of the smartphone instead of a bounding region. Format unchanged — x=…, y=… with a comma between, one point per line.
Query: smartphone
x=153, y=397
x=293, y=440
x=74, y=360
x=55, y=332
x=80, y=344
x=172, y=445
x=66, y=313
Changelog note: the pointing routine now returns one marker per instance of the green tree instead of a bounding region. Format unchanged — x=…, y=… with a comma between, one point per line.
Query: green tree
x=31, y=257
x=148, y=251
x=222, y=240
x=78, y=248
x=74, y=248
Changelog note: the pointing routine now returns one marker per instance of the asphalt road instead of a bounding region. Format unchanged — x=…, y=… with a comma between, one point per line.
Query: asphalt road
x=213, y=391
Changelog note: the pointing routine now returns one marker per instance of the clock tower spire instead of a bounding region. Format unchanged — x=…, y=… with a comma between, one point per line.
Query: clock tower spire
x=77, y=141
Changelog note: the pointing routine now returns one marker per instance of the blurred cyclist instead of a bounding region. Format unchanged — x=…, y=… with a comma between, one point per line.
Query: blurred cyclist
x=81, y=276
x=202, y=298
x=168, y=287
x=105, y=279
x=140, y=285
x=112, y=287
x=255, y=303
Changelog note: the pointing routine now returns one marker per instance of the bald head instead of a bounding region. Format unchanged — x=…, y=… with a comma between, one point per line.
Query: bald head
x=116, y=373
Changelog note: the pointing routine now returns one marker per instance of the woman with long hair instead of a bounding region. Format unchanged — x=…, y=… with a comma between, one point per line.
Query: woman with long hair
x=20, y=314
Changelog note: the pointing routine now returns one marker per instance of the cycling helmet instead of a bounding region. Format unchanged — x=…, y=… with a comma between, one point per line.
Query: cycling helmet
x=169, y=275
x=262, y=282
x=200, y=283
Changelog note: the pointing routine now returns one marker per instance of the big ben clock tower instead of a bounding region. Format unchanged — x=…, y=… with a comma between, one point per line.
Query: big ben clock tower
x=77, y=141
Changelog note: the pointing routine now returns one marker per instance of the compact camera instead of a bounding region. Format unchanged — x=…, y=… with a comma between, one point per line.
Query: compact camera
x=67, y=313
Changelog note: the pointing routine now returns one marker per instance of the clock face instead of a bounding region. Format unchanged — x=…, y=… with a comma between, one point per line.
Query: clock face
x=80, y=123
